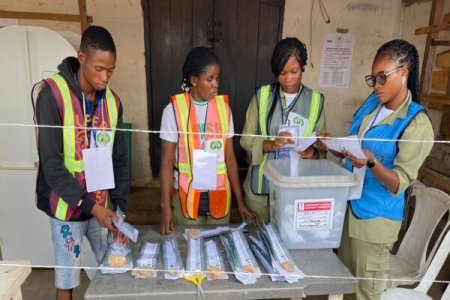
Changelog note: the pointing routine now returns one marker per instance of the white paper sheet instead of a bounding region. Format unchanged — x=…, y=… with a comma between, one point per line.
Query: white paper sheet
x=294, y=158
x=351, y=143
x=98, y=168
x=304, y=143
x=355, y=191
x=204, y=170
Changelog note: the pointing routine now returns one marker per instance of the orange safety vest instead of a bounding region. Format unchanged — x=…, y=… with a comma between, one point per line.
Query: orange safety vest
x=216, y=128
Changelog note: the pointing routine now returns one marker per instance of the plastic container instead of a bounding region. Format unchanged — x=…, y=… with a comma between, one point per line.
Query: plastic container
x=308, y=208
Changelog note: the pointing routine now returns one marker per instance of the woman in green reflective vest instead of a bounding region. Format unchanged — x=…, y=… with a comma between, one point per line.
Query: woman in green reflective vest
x=278, y=109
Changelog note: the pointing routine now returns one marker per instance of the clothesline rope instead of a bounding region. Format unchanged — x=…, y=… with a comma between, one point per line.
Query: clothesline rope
x=235, y=134
x=230, y=273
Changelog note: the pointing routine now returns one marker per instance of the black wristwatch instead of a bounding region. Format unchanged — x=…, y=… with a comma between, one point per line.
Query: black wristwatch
x=371, y=163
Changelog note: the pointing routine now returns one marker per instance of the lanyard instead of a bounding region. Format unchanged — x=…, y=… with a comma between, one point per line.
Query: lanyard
x=202, y=129
x=285, y=113
x=89, y=109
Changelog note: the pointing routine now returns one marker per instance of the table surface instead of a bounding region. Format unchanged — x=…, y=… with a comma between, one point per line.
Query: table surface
x=12, y=275
x=324, y=275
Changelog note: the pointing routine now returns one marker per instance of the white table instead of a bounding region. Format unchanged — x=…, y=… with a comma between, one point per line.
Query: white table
x=328, y=276
x=12, y=275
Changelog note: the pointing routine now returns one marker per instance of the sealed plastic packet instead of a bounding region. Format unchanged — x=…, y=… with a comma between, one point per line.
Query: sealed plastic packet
x=215, y=266
x=172, y=262
x=261, y=251
x=241, y=258
x=280, y=256
x=146, y=263
x=117, y=258
x=195, y=263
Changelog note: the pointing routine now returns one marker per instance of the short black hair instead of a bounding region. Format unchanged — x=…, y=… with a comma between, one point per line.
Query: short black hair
x=196, y=62
x=406, y=54
x=286, y=48
x=97, y=38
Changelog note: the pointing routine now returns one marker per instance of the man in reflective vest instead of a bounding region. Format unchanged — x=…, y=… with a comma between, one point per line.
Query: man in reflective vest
x=85, y=113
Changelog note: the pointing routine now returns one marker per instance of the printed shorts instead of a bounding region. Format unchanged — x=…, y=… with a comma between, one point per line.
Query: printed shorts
x=68, y=245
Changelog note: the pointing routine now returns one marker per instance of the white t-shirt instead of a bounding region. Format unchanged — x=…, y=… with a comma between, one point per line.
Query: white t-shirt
x=382, y=114
x=169, y=124
x=289, y=98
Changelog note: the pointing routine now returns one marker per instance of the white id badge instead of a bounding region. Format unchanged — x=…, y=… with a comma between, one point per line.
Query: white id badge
x=98, y=169
x=101, y=138
x=204, y=170
x=296, y=119
x=216, y=146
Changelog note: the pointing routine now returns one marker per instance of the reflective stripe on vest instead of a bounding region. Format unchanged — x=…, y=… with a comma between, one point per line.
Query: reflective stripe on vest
x=263, y=106
x=218, y=113
x=69, y=135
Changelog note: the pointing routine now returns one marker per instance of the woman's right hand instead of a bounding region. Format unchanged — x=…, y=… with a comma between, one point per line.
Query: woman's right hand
x=281, y=140
x=167, y=226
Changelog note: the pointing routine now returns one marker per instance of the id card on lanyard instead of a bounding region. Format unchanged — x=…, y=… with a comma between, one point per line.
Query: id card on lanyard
x=205, y=161
x=98, y=165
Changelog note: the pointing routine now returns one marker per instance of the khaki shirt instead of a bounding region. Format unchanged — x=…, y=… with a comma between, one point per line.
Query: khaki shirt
x=254, y=144
x=410, y=157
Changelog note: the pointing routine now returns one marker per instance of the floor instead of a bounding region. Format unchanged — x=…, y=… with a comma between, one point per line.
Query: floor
x=142, y=208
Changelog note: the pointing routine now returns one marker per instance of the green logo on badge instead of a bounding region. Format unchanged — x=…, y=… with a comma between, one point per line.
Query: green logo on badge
x=103, y=138
x=215, y=145
x=298, y=120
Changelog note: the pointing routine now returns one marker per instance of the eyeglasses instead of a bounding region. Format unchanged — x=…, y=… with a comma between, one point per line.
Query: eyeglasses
x=380, y=77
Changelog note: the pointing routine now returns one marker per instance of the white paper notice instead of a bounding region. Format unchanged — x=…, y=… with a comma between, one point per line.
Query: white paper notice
x=337, y=54
x=98, y=168
x=313, y=214
x=204, y=170
x=355, y=191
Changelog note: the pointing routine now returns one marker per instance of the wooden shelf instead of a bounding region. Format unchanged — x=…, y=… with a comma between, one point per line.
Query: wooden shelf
x=436, y=42
x=435, y=101
x=433, y=29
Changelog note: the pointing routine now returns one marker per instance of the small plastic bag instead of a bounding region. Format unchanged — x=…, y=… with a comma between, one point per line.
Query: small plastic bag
x=146, y=263
x=215, y=266
x=280, y=258
x=117, y=258
x=241, y=258
x=173, y=264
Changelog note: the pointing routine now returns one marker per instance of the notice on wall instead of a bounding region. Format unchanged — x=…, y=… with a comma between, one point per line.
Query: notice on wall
x=313, y=214
x=8, y=22
x=337, y=54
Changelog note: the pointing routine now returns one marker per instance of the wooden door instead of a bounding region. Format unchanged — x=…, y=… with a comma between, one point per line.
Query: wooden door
x=243, y=34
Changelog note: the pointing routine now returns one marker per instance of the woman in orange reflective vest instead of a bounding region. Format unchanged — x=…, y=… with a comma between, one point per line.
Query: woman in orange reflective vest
x=198, y=165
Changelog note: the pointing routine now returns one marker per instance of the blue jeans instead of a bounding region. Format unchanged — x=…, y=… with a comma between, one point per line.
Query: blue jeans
x=67, y=240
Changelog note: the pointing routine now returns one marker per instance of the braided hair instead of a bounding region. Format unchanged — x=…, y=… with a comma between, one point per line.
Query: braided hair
x=286, y=48
x=196, y=62
x=406, y=54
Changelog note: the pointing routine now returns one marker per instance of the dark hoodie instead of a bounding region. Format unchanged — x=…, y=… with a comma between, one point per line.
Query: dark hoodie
x=53, y=174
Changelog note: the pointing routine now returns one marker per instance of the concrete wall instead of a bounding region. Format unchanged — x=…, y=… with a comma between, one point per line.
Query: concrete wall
x=372, y=23
x=124, y=19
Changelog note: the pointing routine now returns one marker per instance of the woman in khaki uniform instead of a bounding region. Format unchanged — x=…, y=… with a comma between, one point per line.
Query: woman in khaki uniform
x=392, y=112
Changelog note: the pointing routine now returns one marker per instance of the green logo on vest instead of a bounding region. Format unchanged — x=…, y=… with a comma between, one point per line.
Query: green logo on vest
x=215, y=145
x=103, y=138
x=298, y=121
